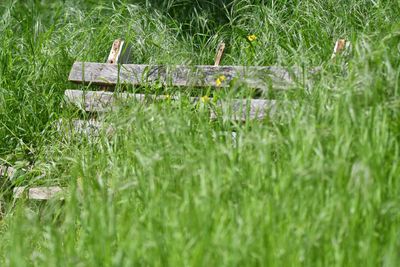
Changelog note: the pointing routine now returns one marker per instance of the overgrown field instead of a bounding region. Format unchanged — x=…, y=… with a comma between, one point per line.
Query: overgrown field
x=317, y=186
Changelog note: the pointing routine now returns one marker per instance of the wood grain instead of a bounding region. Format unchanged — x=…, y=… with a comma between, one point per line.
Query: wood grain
x=89, y=127
x=38, y=193
x=115, y=52
x=220, y=52
x=237, y=109
x=7, y=171
x=196, y=76
x=341, y=46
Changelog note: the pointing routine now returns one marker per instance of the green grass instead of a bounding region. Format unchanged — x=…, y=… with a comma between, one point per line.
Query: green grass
x=319, y=187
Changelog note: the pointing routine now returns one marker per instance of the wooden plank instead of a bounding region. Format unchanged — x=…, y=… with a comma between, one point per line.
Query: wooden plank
x=7, y=171
x=19, y=192
x=242, y=109
x=99, y=101
x=239, y=109
x=195, y=76
x=90, y=127
x=226, y=135
x=94, y=127
x=38, y=193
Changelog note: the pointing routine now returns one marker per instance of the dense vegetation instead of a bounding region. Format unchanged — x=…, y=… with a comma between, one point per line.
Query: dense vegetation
x=318, y=186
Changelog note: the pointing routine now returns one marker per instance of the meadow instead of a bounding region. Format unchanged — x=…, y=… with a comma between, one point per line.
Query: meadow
x=316, y=187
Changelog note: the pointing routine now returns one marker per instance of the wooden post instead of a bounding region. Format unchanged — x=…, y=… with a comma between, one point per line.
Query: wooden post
x=116, y=51
x=113, y=56
x=341, y=45
x=220, y=52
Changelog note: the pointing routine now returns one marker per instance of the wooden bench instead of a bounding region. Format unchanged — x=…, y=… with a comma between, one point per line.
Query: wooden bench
x=116, y=71
x=214, y=77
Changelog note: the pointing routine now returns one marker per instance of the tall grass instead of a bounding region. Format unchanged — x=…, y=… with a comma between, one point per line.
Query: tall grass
x=169, y=187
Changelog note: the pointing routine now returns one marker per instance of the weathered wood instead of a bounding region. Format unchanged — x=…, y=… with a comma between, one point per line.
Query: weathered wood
x=114, y=55
x=220, y=52
x=39, y=193
x=100, y=101
x=217, y=136
x=89, y=128
x=195, y=76
x=115, y=52
x=242, y=109
x=341, y=46
x=93, y=127
x=7, y=171
x=239, y=109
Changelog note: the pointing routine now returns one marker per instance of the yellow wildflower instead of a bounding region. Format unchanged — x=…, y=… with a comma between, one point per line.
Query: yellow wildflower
x=205, y=99
x=220, y=80
x=168, y=97
x=252, y=37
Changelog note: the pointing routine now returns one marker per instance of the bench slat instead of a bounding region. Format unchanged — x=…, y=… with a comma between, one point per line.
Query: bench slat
x=89, y=127
x=38, y=193
x=239, y=109
x=7, y=171
x=195, y=76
